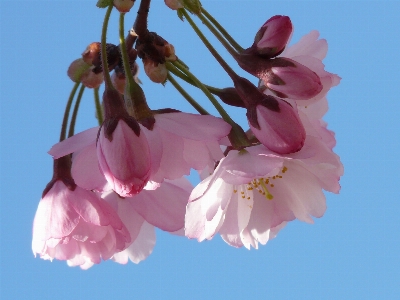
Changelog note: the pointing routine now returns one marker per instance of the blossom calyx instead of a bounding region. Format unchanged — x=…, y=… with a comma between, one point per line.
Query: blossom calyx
x=273, y=121
x=283, y=76
x=62, y=172
x=80, y=71
x=230, y=96
x=272, y=37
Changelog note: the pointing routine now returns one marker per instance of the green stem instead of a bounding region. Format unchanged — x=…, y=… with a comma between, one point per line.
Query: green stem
x=124, y=52
x=135, y=100
x=189, y=99
x=214, y=52
x=237, y=136
x=182, y=76
x=99, y=111
x=66, y=112
x=201, y=86
x=222, y=30
x=75, y=112
x=106, y=72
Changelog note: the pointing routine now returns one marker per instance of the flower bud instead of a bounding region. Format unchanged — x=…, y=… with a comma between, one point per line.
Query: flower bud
x=290, y=79
x=156, y=72
x=169, y=52
x=91, y=55
x=118, y=78
x=174, y=4
x=80, y=71
x=278, y=129
x=273, y=36
x=92, y=80
x=76, y=69
x=123, y=6
x=273, y=121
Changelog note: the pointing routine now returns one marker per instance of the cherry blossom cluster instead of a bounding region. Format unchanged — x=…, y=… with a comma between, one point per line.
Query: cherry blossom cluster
x=113, y=184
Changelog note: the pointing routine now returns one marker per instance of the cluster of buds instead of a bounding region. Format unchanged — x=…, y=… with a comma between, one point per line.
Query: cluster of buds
x=113, y=184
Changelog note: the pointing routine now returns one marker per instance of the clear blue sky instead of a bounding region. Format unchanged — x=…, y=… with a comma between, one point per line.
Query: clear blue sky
x=350, y=253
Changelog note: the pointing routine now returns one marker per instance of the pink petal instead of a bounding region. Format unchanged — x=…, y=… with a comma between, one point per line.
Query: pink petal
x=193, y=127
x=74, y=143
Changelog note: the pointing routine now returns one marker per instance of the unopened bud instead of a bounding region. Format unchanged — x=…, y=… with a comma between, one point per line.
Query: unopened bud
x=118, y=78
x=169, y=52
x=290, y=79
x=279, y=130
x=76, y=69
x=123, y=6
x=174, y=4
x=273, y=36
x=273, y=121
x=91, y=79
x=92, y=53
x=156, y=72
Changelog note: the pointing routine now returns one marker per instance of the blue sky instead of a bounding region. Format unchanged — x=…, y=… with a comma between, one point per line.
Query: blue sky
x=350, y=253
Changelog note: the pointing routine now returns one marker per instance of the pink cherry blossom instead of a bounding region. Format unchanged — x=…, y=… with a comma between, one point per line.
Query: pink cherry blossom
x=163, y=208
x=310, y=51
x=254, y=192
x=181, y=141
x=177, y=142
x=124, y=159
x=77, y=226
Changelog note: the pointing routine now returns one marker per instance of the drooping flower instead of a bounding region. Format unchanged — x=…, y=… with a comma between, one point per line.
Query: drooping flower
x=125, y=159
x=74, y=224
x=163, y=208
x=254, y=192
x=178, y=142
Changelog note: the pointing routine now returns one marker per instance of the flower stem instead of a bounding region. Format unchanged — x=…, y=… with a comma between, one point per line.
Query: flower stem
x=106, y=72
x=135, y=100
x=216, y=55
x=66, y=112
x=140, y=25
x=99, y=111
x=237, y=135
x=189, y=99
x=75, y=112
x=182, y=76
x=222, y=30
x=124, y=52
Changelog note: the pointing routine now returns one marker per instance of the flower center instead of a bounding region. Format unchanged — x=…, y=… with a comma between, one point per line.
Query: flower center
x=261, y=185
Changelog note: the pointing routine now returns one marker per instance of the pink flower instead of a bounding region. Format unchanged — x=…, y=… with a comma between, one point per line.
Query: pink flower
x=163, y=208
x=181, y=141
x=310, y=51
x=77, y=226
x=124, y=157
x=272, y=37
x=254, y=192
x=177, y=143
